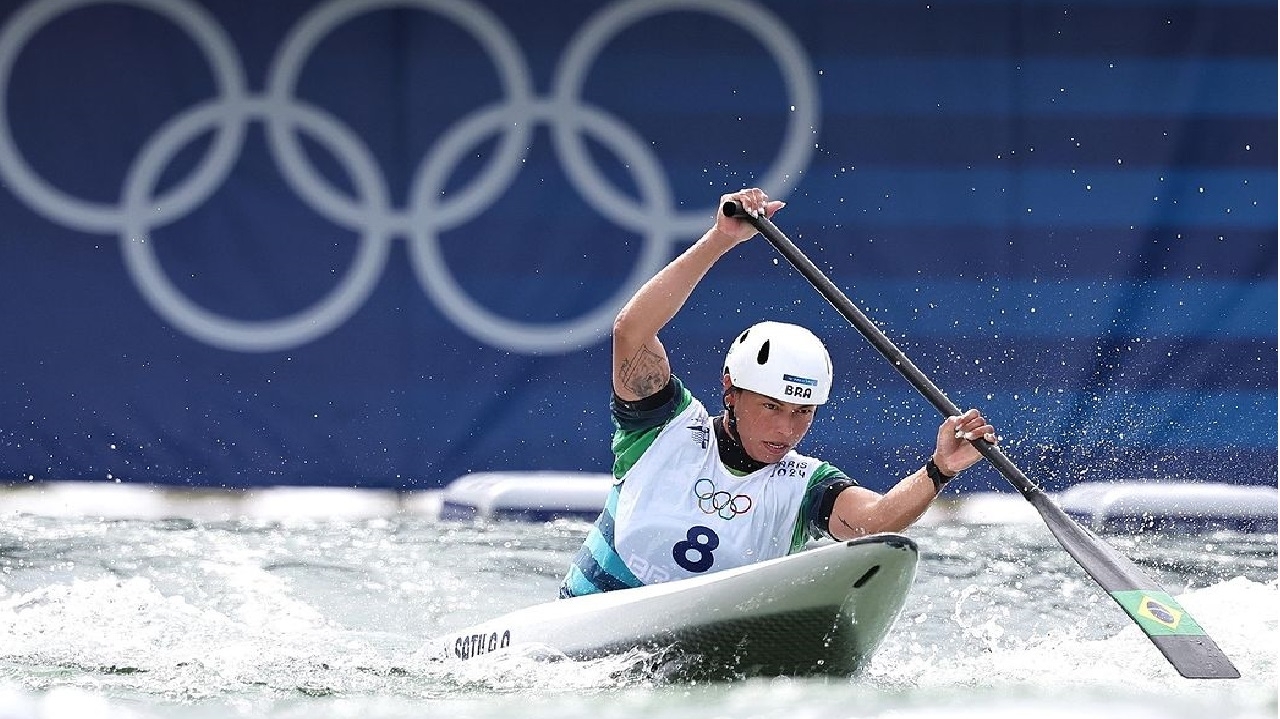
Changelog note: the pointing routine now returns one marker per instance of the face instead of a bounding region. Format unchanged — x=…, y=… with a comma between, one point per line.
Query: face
x=767, y=427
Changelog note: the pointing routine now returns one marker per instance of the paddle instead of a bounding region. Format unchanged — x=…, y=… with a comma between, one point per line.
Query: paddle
x=1174, y=632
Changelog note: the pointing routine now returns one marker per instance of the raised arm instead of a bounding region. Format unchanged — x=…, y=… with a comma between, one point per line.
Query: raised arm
x=640, y=364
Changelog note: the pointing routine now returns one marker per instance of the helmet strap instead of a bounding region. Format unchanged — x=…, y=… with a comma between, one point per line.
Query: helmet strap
x=731, y=419
x=732, y=453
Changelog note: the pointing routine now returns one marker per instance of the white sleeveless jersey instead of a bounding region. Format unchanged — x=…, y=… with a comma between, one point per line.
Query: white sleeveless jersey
x=681, y=513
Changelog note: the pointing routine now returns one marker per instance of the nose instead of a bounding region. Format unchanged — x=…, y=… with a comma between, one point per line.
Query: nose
x=791, y=426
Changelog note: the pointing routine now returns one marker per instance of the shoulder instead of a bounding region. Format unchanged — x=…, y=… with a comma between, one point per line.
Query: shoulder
x=816, y=472
x=813, y=468
x=827, y=472
x=636, y=431
x=653, y=411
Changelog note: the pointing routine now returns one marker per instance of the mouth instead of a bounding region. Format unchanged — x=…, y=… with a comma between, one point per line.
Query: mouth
x=776, y=448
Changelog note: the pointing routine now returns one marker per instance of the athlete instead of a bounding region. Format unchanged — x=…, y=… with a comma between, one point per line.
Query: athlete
x=696, y=494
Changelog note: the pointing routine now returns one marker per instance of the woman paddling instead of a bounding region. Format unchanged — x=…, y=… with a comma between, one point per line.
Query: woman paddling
x=695, y=493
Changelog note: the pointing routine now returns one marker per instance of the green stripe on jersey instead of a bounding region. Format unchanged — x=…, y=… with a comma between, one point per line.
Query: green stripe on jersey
x=629, y=445
x=800, y=533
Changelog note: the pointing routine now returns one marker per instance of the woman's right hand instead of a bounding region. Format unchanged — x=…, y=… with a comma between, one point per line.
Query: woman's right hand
x=753, y=201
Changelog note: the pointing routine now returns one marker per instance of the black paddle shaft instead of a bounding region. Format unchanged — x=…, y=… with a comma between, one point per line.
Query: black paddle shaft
x=1192, y=652
x=887, y=348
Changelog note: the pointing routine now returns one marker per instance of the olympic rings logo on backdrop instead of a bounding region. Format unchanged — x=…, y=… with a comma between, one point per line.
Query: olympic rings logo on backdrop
x=370, y=213
x=719, y=502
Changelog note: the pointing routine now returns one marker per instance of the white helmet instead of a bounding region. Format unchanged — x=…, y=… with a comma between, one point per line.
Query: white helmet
x=783, y=361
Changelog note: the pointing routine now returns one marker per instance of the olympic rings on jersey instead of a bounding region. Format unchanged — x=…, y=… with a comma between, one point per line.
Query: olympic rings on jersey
x=720, y=502
x=367, y=209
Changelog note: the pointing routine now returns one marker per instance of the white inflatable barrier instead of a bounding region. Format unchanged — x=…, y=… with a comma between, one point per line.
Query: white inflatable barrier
x=525, y=496
x=1147, y=505
x=1132, y=506
x=109, y=500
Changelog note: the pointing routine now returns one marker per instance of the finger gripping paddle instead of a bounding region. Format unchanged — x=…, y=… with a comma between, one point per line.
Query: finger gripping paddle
x=1174, y=632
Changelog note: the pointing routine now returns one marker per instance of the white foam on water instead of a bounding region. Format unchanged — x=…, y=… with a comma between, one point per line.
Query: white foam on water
x=283, y=619
x=1240, y=615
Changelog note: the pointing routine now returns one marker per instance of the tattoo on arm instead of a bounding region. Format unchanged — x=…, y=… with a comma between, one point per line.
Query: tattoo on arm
x=847, y=525
x=643, y=373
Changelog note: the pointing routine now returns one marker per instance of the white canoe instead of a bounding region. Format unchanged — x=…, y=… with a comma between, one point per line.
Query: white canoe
x=823, y=611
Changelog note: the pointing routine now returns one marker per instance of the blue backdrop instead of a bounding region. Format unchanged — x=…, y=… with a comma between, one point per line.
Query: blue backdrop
x=381, y=243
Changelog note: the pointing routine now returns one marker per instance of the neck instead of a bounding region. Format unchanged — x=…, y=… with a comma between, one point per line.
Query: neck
x=732, y=453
